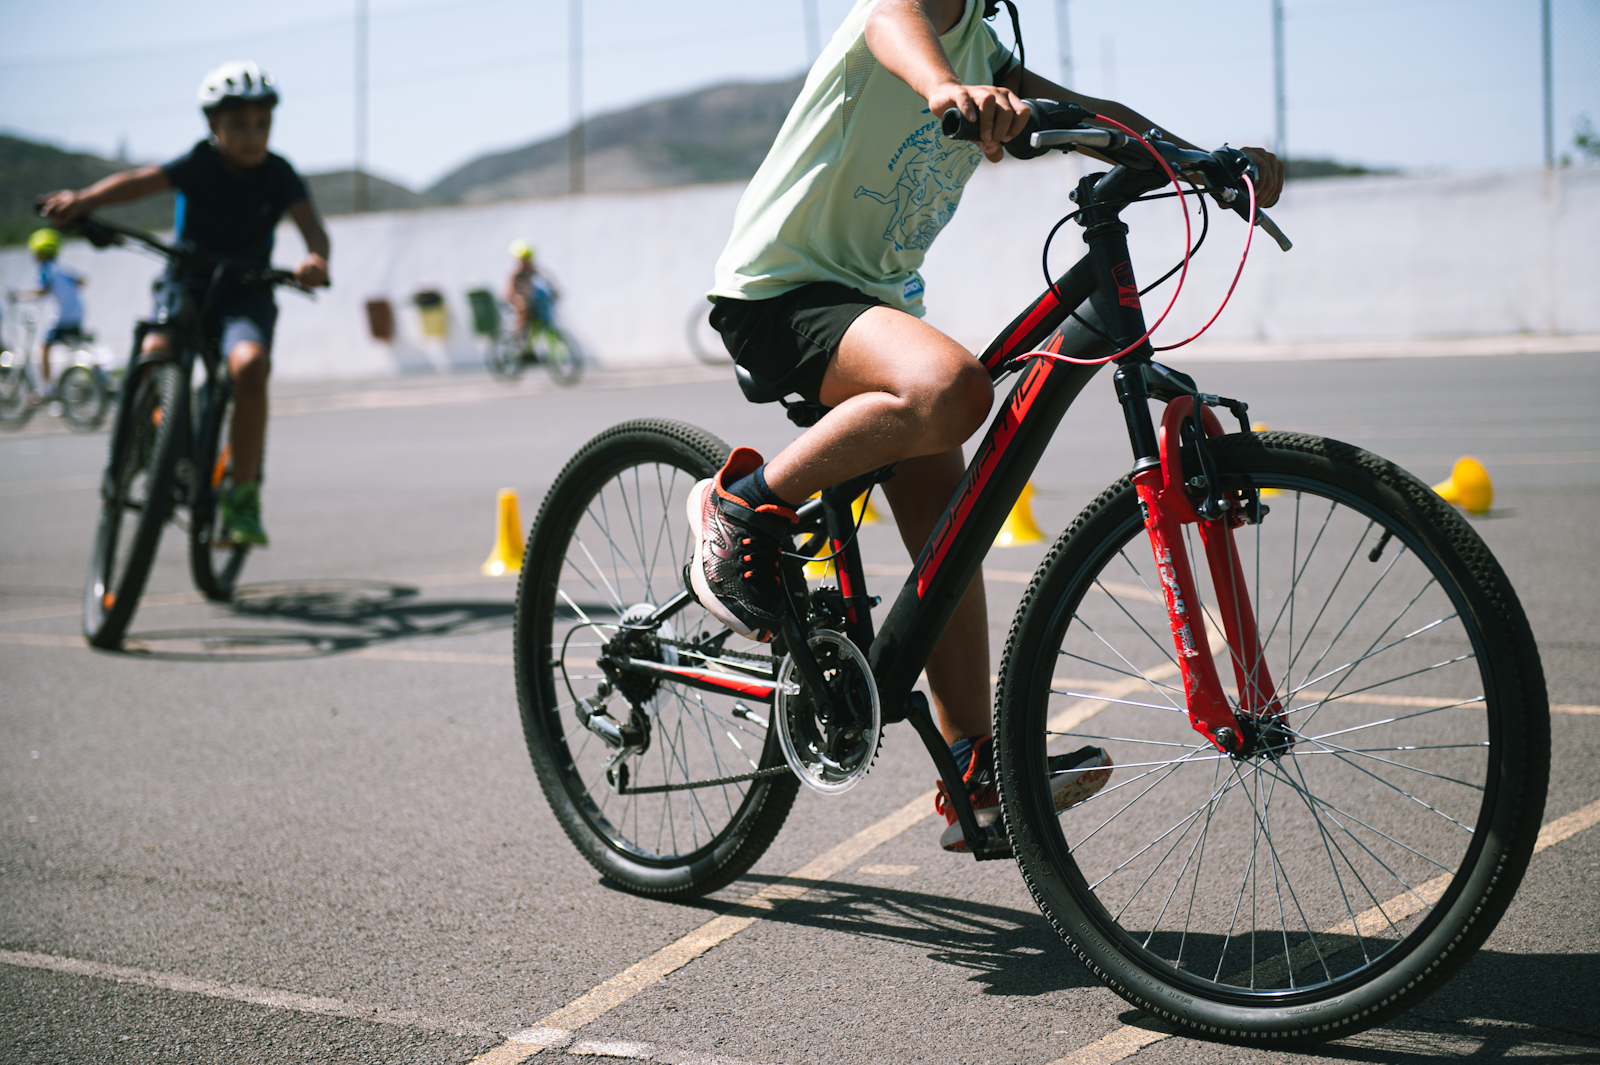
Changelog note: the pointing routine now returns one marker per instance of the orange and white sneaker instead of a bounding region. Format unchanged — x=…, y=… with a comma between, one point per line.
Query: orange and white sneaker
x=1073, y=778
x=734, y=573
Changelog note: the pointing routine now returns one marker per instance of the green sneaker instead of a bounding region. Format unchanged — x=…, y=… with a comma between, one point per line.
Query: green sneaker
x=241, y=517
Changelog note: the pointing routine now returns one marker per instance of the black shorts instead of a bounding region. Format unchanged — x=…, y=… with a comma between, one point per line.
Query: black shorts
x=785, y=342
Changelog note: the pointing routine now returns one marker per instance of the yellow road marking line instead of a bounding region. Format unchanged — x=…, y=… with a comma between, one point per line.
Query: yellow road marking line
x=460, y=658
x=1130, y=1039
x=554, y=1029
x=75, y=483
x=48, y=613
x=257, y=996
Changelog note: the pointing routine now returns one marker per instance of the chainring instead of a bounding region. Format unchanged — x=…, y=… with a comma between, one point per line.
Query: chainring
x=830, y=756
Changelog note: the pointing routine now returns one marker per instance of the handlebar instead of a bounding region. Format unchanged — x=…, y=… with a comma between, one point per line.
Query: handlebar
x=1055, y=125
x=104, y=234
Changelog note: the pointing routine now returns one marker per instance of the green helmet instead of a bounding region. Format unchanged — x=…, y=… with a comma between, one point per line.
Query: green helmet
x=44, y=243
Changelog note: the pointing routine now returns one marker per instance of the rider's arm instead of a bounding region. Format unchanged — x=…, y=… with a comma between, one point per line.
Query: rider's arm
x=124, y=187
x=904, y=38
x=1030, y=85
x=314, y=269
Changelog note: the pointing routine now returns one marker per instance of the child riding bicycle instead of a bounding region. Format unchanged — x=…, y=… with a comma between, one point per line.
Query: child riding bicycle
x=61, y=286
x=232, y=192
x=531, y=294
x=818, y=294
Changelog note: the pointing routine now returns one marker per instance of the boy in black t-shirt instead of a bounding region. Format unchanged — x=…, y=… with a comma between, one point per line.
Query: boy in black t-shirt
x=232, y=193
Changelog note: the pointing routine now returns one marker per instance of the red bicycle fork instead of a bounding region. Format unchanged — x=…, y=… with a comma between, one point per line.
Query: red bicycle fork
x=1164, y=499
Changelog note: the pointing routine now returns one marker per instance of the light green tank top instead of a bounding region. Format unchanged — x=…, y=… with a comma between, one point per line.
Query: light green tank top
x=859, y=180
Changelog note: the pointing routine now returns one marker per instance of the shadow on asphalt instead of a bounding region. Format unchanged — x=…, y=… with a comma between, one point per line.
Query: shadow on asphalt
x=1532, y=1007
x=315, y=619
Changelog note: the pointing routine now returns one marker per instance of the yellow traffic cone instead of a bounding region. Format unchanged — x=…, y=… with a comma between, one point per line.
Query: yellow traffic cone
x=507, y=554
x=864, y=513
x=1261, y=427
x=1469, y=486
x=1020, y=528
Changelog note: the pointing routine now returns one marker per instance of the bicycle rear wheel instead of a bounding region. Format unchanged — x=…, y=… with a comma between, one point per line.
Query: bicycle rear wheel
x=136, y=496
x=16, y=400
x=504, y=357
x=214, y=565
x=1342, y=872
x=611, y=541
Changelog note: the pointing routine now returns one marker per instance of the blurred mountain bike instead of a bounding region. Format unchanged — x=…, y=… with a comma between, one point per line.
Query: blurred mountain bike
x=83, y=389
x=511, y=350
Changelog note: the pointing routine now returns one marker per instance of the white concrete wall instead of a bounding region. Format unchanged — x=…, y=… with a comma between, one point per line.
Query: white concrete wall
x=1375, y=259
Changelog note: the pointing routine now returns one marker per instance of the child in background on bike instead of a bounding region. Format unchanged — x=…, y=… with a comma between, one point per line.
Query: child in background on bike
x=232, y=192
x=528, y=291
x=818, y=294
x=61, y=286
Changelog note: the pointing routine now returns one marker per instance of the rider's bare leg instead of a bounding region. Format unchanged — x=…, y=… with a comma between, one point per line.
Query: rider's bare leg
x=901, y=391
x=958, y=672
x=249, y=365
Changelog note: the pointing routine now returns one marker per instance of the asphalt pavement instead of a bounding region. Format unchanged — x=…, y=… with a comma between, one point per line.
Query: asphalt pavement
x=305, y=826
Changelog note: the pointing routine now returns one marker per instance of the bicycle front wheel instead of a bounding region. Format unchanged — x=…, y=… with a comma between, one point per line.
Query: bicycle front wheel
x=136, y=496
x=214, y=564
x=1346, y=869
x=560, y=358
x=610, y=543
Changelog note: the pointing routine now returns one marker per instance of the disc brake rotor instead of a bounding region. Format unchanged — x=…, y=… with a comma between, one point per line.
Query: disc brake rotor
x=829, y=754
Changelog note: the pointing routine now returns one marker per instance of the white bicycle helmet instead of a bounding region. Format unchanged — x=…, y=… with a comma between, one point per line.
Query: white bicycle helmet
x=237, y=81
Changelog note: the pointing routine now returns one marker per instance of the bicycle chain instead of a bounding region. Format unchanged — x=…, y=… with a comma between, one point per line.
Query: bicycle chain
x=700, y=652
x=771, y=771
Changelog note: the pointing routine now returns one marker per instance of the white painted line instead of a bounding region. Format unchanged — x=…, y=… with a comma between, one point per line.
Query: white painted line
x=612, y=1048
x=1130, y=1039
x=271, y=998
x=652, y=970
x=888, y=870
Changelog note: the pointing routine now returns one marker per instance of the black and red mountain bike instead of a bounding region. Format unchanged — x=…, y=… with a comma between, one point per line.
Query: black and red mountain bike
x=1331, y=740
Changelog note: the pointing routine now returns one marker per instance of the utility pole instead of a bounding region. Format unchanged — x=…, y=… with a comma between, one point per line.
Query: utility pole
x=575, y=95
x=361, y=106
x=813, y=32
x=1549, y=86
x=1064, y=43
x=1280, y=136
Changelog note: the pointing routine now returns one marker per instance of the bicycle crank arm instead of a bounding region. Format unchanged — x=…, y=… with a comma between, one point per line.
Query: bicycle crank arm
x=984, y=844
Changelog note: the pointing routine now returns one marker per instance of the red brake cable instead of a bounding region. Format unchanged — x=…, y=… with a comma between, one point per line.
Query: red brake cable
x=1187, y=238
x=1249, y=232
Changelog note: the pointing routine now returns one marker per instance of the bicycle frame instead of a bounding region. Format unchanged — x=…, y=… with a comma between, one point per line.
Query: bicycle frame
x=188, y=343
x=1101, y=285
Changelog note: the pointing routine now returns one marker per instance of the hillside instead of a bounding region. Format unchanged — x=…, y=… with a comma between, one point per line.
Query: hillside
x=716, y=134
x=29, y=169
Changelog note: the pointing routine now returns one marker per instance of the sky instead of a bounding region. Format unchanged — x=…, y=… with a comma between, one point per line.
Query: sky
x=1424, y=85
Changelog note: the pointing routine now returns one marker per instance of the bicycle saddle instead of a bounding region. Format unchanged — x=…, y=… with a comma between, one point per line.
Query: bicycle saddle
x=802, y=412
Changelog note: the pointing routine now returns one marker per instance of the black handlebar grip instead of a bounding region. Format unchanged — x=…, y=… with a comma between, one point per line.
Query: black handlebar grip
x=955, y=126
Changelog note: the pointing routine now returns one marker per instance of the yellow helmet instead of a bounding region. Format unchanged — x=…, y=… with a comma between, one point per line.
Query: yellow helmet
x=521, y=249
x=44, y=243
